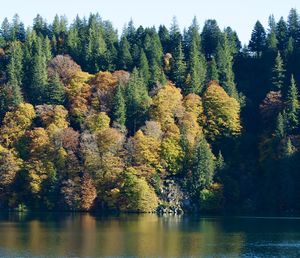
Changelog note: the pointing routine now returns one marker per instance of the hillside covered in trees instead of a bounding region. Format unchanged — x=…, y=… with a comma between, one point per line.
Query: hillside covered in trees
x=95, y=120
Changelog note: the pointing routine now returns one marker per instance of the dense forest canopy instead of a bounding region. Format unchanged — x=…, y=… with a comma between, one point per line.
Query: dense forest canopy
x=90, y=119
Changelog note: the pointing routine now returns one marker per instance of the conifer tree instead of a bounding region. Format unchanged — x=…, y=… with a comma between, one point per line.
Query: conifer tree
x=280, y=126
x=125, y=58
x=292, y=106
x=144, y=66
x=212, y=71
x=15, y=72
x=196, y=70
x=137, y=101
x=294, y=25
x=203, y=167
x=225, y=62
x=56, y=91
x=39, y=80
x=258, y=39
x=282, y=34
x=119, y=106
x=178, y=70
x=278, y=73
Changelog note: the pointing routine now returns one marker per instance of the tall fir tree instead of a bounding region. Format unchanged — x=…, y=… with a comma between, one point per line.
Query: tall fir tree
x=55, y=91
x=15, y=72
x=278, y=73
x=203, y=167
x=292, y=106
x=178, y=70
x=125, y=58
x=137, y=102
x=39, y=79
x=212, y=71
x=144, y=66
x=258, y=39
x=119, y=106
x=282, y=34
x=225, y=63
x=196, y=70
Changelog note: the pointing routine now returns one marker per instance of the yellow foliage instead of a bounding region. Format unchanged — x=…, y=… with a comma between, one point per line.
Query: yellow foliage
x=146, y=150
x=167, y=105
x=222, y=112
x=78, y=93
x=103, y=85
x=16, y=123
x=98, y=122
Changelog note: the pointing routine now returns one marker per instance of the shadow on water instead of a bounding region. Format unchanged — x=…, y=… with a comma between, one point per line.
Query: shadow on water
x=146, y=235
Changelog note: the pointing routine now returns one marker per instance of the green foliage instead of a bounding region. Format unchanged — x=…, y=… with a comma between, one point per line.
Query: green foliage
x=292, y=106
x=136, y=194
x=203, y=167
x=119, y=106
x=278, y=73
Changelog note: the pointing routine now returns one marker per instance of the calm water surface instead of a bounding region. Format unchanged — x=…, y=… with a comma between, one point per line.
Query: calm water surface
x=84, y=235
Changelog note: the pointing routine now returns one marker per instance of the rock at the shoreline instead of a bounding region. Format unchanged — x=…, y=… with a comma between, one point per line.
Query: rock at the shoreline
x=173, y=199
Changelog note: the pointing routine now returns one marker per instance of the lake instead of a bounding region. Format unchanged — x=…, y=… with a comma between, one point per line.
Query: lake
x=146, y=235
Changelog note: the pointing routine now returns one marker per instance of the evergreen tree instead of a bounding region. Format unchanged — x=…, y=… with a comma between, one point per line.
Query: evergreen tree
x=15, y=72
x=224, y=63
x=258, y=39
x=282, y=34
x=144, y=66
x=280, y=126
x=39, y=79
x=210, y=38
x=125, y=58
x=17, y=29
x=178, y=70
x=137, y=101
x=164, y=37
x=56, y=91
x=95, y=46
x=196, y=70
x=5, y=30
x=294, y=25
x=119, y=106
x=203, y=167
x=212, y=71
x=278, y=73
x=292, y=106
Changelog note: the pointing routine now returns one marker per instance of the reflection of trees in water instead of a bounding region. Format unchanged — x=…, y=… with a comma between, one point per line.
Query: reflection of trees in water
x=133, y=235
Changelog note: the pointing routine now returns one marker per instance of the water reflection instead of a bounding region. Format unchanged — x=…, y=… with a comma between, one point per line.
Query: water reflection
x=85, y=235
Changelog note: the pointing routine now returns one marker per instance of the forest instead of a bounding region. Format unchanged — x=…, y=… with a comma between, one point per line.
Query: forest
x=151, y=119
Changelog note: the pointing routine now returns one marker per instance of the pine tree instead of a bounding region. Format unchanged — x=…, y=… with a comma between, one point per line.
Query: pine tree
x=212, y=71
x=224, y=63
x=95, y=47
x=282, y=34
x=119, y=106
x=137, y=101
x=56, y=91
x=258, y=39
x=5, y=30
x=292, y=106
x=278, y=73
x=144, y=66
x=294, y=25
x=203, y=167
x=125, y=58
x=210, y=38
x=178, y=70
x=39, y=80
x=15, y=72
x=280, y=126
x=196, y=70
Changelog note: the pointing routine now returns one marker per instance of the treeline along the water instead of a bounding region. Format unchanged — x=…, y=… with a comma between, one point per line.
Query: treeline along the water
x=152, y=117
